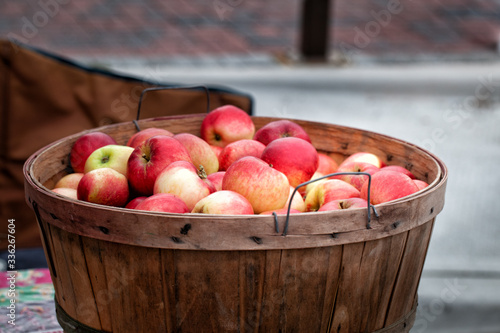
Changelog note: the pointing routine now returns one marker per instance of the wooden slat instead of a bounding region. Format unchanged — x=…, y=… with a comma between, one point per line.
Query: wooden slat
x=349, y=302
x=168, y=282
x=331, y=286
x=206, y=291
x=410, y=271
x=252, y=269
x=379, y=269
x=133, y=277
x=66, y=296
x=272, y=299
x=304, y=280
x=99, y=284
x=85, y=306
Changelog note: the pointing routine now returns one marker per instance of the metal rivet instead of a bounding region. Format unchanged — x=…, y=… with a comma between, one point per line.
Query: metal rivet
x=177, y=240
x=256, y=239
x=185, y=229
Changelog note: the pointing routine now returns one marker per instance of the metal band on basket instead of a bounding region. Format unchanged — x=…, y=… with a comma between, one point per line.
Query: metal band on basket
x=71, y=325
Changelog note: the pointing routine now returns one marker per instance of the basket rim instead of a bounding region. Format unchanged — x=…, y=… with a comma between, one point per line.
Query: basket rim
x=33, y=186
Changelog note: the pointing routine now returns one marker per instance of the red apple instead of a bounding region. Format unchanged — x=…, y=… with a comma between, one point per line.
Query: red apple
x=387, y=186
x=356, y=180
x=339, y=204
x=67, y=192
x=216, y=179
x=282, y=211
x=110, y=156
x=216, y=150
x=296, y=158
x=200, y=152
x=280, y=129
x=327, y=191
x=398, y=169
x=163, y=202
x=134, y=202
x=265, y=187
x=225, y=203
x=326, y=164
x=182, y=178
x=104, y=186
x=364, y=157
x=227, y=124
x=150, y=158
x=420, y=184
x=238, y=149
x=140, y=137
x=85, y=145
x=70, y=180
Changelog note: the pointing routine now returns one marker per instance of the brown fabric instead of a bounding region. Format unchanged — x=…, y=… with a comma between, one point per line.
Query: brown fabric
x=44, y=98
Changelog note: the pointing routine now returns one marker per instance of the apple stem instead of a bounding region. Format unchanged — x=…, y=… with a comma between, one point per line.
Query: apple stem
x=201, y=172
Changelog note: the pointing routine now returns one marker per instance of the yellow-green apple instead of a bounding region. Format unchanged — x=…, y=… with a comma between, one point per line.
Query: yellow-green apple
x=399, y=169
x=224, y=203
x=280, y=129
x=110, y=156
x=183, y=179
x=200, y=152
x=238, y=149
x=67, y=192
x=216, y=179
x=420, y=184
x=85, y=145
x=387, y=186
x=364, y=157
x=149, y=159
x=297, y=201
x=70, y=180
x=226, y=124
x=265, y=187
x=163, y=202
x=134, y=202
x=339, y=204
x=326, y=164
x=140, y=137
x=296, y=158
x=327, y=191
x=104, y=186
x=312, y=185
x=356, y=180
x=282, y=211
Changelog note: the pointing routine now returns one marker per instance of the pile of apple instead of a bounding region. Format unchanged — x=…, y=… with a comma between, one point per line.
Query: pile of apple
x=230, y=169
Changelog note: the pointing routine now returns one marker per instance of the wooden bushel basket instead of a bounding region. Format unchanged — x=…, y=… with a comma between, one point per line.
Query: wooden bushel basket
x=121, y=270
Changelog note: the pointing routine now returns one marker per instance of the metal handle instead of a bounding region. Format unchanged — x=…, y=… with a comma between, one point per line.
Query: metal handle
x=328, y=176
x=145, y=91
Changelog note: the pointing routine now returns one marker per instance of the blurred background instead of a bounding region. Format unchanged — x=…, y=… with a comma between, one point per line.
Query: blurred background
x=425, y=72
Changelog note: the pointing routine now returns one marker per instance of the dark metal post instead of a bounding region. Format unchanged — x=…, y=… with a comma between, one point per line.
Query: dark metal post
x=314, y=30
